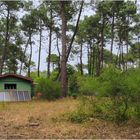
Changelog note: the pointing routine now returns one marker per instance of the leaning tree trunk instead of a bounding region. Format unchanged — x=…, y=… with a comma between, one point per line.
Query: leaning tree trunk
x=39, y=53
x=73, y=37
x=76, y=29
x=64, y=50
x=6, y=40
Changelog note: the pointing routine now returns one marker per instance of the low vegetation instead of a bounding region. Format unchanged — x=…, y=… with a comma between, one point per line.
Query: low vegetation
x=40, y=119
x=114, y=95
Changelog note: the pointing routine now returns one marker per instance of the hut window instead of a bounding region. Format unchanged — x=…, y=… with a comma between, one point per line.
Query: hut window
x=10, y=86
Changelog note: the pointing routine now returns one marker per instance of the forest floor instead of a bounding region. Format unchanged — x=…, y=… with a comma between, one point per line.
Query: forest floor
x=43, y=119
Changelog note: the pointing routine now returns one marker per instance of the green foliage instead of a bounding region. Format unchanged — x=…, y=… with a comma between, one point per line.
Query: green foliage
x=49, y=89
x=87, y=85
x=117, y=96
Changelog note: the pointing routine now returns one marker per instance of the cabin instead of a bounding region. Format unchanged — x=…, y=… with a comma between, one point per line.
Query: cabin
x=15, y=87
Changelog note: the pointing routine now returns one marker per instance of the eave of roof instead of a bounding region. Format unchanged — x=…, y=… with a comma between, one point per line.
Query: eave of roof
x=16, y=76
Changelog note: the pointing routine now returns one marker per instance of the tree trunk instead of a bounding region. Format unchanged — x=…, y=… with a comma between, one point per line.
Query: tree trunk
x=59, y=54
x=102, y=44
x=88, y=55
x=76, y=29
x=72, y=40
x=127, y=41
x=64, y=50
x=50, y=44
x=6, y=40
x=39, y=53
x=30, y=58
x=23, y=56
x=93, y=60
x=98, y=61
x=112, y=39
x=81, y=55
x=90, y=59
x=138, y=51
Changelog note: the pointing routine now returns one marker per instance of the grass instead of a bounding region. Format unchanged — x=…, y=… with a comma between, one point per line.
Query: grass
x=16, y=121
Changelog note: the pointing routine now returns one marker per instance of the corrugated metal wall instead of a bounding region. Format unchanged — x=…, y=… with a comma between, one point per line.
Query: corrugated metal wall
x=15, y=96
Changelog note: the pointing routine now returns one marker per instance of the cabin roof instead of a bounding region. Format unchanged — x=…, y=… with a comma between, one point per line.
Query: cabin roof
x=16, y=76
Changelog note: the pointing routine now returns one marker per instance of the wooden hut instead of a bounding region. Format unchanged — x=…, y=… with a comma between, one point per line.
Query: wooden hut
x=15, y=88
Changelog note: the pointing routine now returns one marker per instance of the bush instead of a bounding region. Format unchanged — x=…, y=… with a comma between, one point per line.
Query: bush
x=49, y=89
x=118, y=96
x=87, y=85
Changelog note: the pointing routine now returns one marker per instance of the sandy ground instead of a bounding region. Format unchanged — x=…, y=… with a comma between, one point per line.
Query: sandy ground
x=42, y=120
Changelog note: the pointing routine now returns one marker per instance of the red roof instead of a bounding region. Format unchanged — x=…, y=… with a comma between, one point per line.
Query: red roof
x=16, y=76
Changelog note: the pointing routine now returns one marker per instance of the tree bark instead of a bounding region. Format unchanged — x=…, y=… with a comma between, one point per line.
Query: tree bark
x=39, y=53
x=23, y=56
x=102, y=43
x=59, y=54
x=93, y=59
x=76, y=29
x=50, y=44
x=81, y=55
x=112, y=39
x=30, y=58
x=64, y=50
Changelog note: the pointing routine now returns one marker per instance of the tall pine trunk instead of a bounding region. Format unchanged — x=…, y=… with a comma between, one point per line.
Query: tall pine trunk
x=59, y=55
x=81, y=55
x=102, y=43
x=25, y=49
x=50, y=45
x=30, y=57
x=39, y=53
x=64, y=50
x=112, y=39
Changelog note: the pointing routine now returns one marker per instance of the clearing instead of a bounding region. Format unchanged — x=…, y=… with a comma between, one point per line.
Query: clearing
x=43, y=119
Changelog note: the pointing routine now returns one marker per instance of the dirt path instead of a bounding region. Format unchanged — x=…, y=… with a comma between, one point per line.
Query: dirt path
x=37, y=119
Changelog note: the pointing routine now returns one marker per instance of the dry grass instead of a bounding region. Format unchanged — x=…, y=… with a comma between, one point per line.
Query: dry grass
x=37, y=119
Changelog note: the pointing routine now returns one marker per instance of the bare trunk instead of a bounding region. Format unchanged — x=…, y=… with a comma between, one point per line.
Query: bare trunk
x=50, y=44
x=88, y=53
x=64, y=50
x=93, y=60
x=39, y=53
x=112, y=39
x=30, y=58
x=6, y=40
x=76, y=29
x=127, y=34
x=72, y=40
x=98, y=61
x=57, y=45
x=81, y=55
x=138, y=51
x=102, y=44
x=21, y=66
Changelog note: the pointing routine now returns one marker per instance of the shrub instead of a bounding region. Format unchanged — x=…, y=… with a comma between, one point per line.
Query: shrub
x=87, y=85
x=118, y=96
x=49, y=89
